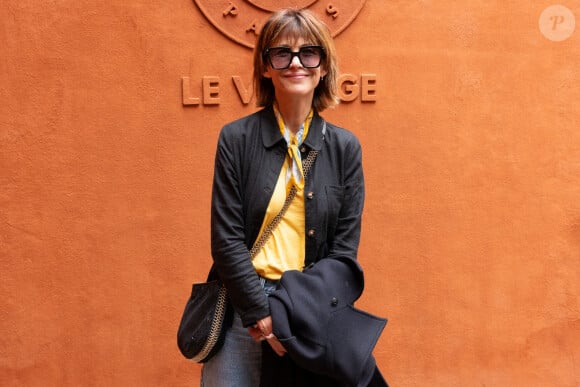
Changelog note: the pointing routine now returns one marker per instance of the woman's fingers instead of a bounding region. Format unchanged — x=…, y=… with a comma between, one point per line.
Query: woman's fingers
x=275, y=344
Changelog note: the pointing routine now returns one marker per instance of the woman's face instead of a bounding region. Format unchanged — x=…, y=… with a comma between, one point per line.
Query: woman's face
x=296, y=80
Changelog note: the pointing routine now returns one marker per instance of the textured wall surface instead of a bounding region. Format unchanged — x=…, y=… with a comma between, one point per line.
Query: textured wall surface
x=471, y=236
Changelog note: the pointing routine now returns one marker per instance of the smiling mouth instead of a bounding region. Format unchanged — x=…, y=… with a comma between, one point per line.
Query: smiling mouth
x=296, y=75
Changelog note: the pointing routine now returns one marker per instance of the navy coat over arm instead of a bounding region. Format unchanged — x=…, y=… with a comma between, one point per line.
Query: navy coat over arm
x=314, y=318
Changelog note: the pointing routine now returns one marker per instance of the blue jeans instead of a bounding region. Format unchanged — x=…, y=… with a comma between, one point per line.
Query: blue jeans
x=239, y=362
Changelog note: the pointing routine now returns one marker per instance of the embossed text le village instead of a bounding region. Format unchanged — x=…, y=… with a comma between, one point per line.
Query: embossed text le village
x=211, y=88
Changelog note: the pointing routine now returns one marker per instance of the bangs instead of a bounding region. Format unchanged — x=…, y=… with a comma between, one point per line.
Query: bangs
x=293, y=30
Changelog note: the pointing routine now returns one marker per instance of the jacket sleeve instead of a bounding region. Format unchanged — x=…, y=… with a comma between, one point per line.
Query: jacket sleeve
x=229, y=251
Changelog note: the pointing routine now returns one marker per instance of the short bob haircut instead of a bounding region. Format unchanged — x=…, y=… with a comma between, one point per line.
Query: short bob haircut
x=295, y=24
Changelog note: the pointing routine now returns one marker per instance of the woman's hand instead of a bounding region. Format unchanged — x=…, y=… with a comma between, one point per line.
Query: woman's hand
x=262, y=330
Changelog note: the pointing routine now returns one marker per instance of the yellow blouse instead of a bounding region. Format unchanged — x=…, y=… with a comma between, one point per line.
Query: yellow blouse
x=285, y=249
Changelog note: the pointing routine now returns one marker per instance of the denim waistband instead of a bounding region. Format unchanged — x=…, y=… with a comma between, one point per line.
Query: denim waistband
x=268, y=285
x=266, y=281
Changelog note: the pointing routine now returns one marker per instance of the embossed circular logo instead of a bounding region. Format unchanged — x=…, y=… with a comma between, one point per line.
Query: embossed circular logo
x=241, y=20
x=557, y=23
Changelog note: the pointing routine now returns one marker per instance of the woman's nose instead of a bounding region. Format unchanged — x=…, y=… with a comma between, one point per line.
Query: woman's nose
x=295, y=62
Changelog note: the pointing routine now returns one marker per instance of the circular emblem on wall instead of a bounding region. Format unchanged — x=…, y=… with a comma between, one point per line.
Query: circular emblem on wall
x=241, y=20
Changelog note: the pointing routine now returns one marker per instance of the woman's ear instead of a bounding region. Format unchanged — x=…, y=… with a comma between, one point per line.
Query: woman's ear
x=323, y=71
x=266, y=73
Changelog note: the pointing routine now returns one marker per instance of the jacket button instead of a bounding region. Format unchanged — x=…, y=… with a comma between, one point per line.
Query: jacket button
x=303, y=149
x=310, y=195
x=334, y=301
x=311, y=232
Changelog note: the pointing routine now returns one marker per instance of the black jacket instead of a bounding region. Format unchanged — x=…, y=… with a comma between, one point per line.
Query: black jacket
x=249, y=157
x=315, y=319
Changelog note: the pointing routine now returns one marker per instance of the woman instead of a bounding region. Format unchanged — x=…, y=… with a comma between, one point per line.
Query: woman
x=258, y=161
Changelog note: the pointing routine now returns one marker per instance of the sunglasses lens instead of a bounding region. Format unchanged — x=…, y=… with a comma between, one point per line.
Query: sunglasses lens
x=281, y=57
x=310, y=56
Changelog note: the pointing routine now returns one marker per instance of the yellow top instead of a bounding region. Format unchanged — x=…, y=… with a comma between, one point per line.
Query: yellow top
x=285, y=249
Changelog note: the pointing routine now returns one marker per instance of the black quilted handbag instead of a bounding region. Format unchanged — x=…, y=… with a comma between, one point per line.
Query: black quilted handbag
x=206, y=317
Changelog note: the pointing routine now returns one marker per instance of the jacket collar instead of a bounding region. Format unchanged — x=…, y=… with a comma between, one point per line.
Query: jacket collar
x=271, y=135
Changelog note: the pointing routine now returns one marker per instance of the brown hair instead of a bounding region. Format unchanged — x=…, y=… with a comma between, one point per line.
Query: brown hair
x=296, y=24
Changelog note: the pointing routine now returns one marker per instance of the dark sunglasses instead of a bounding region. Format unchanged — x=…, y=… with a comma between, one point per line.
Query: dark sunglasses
x=280, y=58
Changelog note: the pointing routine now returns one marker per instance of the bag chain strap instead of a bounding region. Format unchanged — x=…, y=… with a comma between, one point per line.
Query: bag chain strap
x=306, y=165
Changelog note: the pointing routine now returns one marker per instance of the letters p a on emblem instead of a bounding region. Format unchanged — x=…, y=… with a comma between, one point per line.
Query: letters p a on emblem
x=241, y=20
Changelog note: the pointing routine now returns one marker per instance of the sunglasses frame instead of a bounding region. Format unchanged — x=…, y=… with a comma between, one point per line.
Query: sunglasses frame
x=267, y=59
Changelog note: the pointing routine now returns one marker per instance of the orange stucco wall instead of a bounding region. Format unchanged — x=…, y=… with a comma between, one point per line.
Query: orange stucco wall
x=471, y=236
